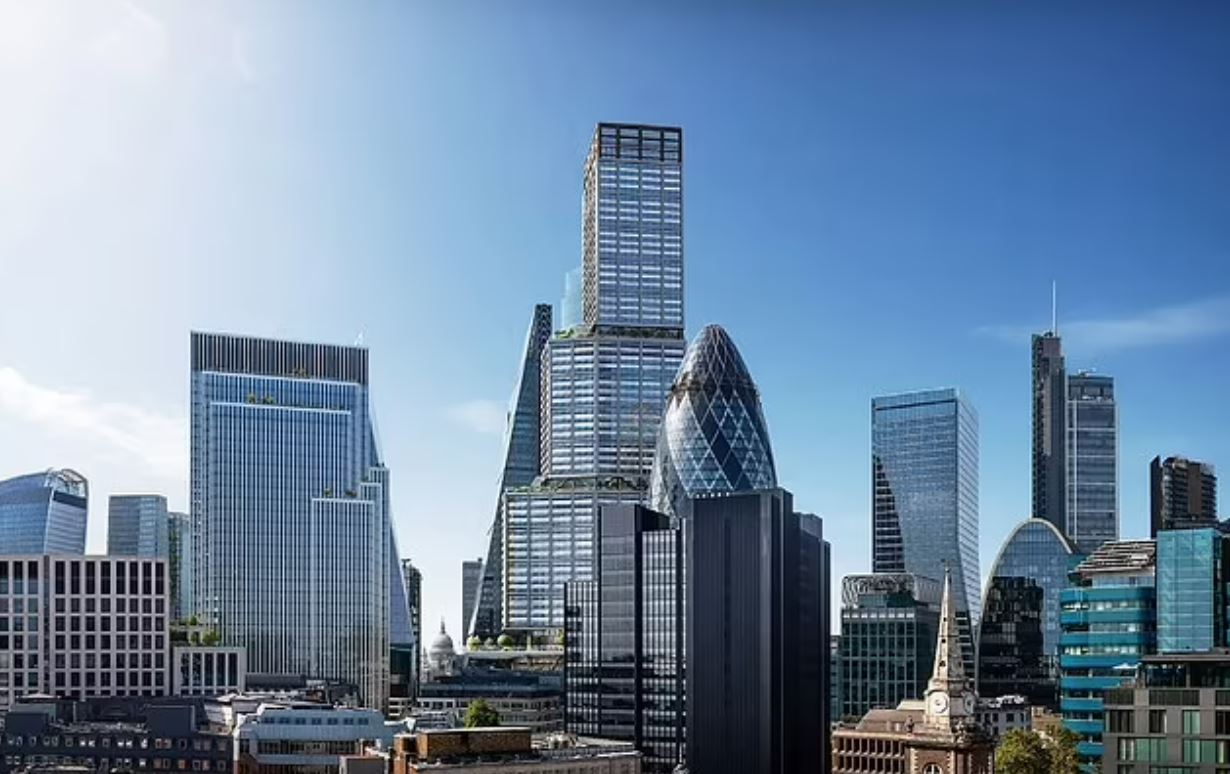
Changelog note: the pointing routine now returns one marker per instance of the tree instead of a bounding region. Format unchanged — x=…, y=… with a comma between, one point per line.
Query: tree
x=480, y=715
x=1022, y=752
x=1062, y=748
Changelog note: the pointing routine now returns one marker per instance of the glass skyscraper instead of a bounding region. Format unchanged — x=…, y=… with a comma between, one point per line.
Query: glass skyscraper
x=179, y=565
x=924, y=448
x=713, y=436
x=138, y=525
x=44, y=513
x=290, y=509
x=1019, y=632
x=522, y=464
x=1193, y=569
x=1050, y=394
x=1092, y=460
x=605, y=381
x=471, y=576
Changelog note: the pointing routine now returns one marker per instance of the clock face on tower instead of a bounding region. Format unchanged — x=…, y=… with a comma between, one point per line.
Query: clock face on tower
x=939, y=703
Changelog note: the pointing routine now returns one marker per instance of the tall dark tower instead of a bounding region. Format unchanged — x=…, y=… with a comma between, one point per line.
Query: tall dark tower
x=1049, y=430
x=1182, y=494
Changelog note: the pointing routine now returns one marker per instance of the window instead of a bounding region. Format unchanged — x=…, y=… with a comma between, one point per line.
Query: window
x=1191, y=722
x=1121, y=721
x=1157, y=721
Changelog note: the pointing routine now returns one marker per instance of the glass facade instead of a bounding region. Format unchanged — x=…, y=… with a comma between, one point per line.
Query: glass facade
x=624, y=639
x=1092, y=461
x=1018, y=643
x=1192, y=573
x=289, y=504
x=713, y=436
x=138, y=525
x=924, y=448
x=522, y=463
x=179, y=564
x=1108, y=617
x=471, y=575
x=1050, y=392
x=44, y=513
x=570, y=315
x=604, y=382
x=889, y=627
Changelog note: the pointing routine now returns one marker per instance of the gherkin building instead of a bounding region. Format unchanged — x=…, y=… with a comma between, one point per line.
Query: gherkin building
x=713, y=436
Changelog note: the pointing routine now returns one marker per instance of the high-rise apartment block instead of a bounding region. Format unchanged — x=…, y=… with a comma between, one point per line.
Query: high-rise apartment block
x=1093, y=461
x=522, y=464
x=138, y=525
x=83, y=627
x=1182, y=494
x=1050, y=438
x=290, y=508
x=604, y=382
x=889, y=625
x=924, y=448
x=44, y=513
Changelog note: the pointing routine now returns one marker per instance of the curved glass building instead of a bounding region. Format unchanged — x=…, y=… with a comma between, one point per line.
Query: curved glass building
x=713, y=436
x=44, y=513
x=1019, y=638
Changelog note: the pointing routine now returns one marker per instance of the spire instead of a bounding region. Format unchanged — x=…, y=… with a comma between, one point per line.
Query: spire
x=949, y=661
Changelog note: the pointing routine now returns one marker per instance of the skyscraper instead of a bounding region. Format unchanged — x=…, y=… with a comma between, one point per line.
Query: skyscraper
x=290, y=507
x=412, y=577
x=605, y=381
x=713, y=436
x=757, y=635
x=1182, y=494
x=1050, y=395
x=138, y=525
x=471, y=576
x=1093, y=461
x=522, y=463
x=924, y=450
x=44, y=513
x=1018, y=644
x=179, y=565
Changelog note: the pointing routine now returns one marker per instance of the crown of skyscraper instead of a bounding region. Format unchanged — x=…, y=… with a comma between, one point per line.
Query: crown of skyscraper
x=713, y=437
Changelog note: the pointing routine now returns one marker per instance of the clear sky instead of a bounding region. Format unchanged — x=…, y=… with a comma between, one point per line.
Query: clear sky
x=877, y=197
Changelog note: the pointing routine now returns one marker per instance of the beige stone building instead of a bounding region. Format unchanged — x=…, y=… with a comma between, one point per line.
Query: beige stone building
x=509, y=750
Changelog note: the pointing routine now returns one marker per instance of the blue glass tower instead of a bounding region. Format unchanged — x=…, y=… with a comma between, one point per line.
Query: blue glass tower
x=290, y=509
x=713, y=436
x=1108, y=617
x=44, y=513
x=138, y=525
x=1193, y=567
x=1092, y=459
x=924, y=448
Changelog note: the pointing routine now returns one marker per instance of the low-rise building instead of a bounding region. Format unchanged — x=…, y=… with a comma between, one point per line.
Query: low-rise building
x=288, y=736
x=510, y=750
x=1002, y=714
x=111, y=734
x=208, y=671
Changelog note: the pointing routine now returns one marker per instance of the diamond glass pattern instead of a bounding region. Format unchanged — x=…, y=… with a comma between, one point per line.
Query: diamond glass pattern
x=713, y=436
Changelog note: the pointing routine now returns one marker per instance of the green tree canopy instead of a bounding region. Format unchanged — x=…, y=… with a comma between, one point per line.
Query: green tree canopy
x=1022, y=752
x=480, y=715
x=1062, y=748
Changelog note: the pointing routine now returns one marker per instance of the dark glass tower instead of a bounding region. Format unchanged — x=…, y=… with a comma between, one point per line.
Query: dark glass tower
x=1050, y=394
x=471, y=576
x=522, y=461
x=1182, y=494
x=623, y=675
x=1019, y=635
x=1093, y=461
x=713, y=436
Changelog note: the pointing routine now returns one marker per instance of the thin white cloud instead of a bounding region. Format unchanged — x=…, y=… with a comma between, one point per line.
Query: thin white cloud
x=481, y=416
x=1152, y=327
x=155, y=440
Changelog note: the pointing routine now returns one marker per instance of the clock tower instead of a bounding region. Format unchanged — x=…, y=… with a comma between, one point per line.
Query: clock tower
x=950, y=698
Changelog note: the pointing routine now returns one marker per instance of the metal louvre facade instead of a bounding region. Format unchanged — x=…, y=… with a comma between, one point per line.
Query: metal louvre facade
x=289, y=507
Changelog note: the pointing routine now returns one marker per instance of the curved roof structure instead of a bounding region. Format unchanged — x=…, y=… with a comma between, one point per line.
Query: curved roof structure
x=713, y=436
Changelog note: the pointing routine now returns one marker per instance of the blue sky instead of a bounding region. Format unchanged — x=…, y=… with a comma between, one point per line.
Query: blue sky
x=877, y=197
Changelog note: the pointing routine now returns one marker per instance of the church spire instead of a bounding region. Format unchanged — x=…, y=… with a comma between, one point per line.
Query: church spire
x=949, y=692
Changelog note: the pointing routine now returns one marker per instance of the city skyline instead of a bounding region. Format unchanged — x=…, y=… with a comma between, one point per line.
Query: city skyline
x=1005, y=209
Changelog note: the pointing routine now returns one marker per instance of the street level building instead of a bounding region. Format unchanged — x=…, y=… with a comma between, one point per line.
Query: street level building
x=282, y=737
x=43, y=513
x=1109, y=622
x=1173, y=717
x=509, y=750
x=83, y=627
x=1182, y=494
x=889, y=625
